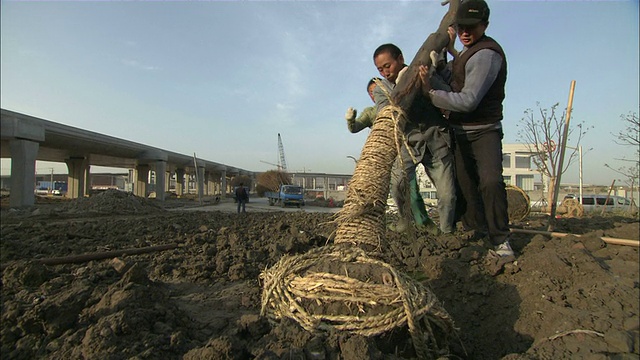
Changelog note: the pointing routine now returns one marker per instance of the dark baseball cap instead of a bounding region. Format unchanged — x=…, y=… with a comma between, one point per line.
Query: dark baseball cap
x=471, y=12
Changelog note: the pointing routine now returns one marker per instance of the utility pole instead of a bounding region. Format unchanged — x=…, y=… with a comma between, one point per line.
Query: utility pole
x=579, y=148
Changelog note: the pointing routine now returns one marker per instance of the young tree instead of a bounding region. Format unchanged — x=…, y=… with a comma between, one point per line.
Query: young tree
x=541, y=131
x=630, y=136
x=271, y=181
x=244, y=179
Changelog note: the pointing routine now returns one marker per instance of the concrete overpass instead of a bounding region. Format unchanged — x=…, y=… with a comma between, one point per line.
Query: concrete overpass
x=26, y=139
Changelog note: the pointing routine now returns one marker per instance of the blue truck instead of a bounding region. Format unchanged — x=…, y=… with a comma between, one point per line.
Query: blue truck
x=287, y=195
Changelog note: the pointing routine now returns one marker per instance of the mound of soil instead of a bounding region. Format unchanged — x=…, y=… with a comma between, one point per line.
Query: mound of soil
x=567, y=297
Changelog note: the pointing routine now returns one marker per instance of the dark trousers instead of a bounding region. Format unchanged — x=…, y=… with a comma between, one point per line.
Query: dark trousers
x=483, y=198
x=242, y=204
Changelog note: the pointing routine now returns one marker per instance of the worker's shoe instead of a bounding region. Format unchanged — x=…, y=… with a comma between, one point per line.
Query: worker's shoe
x=496, y=261
x=504, y=249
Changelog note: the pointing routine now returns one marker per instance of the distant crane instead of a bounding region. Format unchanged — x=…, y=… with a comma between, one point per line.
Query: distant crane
x=282, y=163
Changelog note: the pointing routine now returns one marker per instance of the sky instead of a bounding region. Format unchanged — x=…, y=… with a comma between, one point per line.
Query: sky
x=222, y=78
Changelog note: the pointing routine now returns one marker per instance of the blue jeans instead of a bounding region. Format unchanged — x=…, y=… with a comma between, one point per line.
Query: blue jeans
x=242, y=203
x=442, y=174
x=432, y=149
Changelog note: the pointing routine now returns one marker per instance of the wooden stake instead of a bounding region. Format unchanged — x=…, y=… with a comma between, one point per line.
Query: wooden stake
x=604, y=206
x=563, y=146
x=73, y=259
x=608, y=240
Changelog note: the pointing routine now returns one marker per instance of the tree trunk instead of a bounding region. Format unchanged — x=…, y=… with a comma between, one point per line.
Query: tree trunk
x=409, y=85
x=552, y=191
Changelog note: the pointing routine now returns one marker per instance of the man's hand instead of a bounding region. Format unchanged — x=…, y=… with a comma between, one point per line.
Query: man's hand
x=350, y=115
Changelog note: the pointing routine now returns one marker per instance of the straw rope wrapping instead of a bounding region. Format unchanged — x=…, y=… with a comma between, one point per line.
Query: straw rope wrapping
x=361, y=220
x=297, y=287
x=403, y=189
x=293, y=286
x=517, y=203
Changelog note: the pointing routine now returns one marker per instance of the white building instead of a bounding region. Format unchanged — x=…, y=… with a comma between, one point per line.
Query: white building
x=517, y=166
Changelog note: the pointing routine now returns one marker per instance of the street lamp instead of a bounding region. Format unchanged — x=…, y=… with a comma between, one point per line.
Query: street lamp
x=354, y=159
x=579, y=148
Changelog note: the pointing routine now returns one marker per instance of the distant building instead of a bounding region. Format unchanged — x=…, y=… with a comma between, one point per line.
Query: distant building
x=517, y=166
x=104, y=181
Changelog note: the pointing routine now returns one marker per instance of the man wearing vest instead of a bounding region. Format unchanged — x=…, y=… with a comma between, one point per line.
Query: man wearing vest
x=479, y=73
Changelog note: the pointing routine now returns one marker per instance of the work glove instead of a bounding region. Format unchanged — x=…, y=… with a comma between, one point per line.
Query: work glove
x=438, y=61
x=350, y=115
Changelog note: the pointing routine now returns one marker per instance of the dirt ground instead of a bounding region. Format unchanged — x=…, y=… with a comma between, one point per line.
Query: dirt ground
x=200, y=297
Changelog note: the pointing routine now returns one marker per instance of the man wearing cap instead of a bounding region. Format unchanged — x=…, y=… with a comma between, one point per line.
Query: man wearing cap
x=479, y=74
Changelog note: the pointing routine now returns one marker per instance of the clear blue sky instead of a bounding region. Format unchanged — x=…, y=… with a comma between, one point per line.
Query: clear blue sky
x=223, y=78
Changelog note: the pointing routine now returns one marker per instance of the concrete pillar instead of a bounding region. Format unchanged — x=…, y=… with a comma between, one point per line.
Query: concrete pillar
x=129, y=184
x=24, y=136
x=180, y=182
x=205, y=183
x=161, y=177
x=188, y=181
x=23, y=172
x=216, y=184
x=159, y=160
x=87, y=179
x=223, y=186
x=325, y=181
x=210, y=184
x=77, y=167
x=141, y=180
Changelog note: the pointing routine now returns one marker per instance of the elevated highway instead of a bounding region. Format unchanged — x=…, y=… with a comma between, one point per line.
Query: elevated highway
x=26, y=139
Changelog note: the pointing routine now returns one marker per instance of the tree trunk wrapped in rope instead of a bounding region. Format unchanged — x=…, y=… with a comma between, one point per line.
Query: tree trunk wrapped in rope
x=342, y=287
x=362, y=219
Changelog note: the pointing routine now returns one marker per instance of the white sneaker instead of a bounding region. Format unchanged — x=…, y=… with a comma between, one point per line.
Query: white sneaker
x=504, y=249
